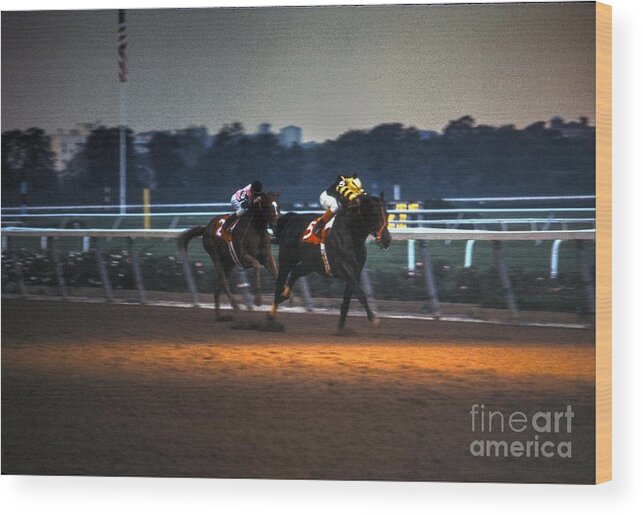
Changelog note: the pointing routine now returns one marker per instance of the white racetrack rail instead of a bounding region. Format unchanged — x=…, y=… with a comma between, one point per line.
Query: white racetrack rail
x=397, y=233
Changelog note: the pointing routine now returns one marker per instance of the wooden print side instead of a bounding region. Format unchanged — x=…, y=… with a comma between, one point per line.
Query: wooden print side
x=603, y=243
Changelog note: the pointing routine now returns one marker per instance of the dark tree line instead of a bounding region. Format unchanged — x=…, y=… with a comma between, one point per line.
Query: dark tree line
x=466, y=158
x=102, y=159
x=174, y=156
x=27, y=157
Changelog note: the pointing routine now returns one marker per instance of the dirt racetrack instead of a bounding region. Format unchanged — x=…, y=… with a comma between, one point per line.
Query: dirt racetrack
x=104, y=389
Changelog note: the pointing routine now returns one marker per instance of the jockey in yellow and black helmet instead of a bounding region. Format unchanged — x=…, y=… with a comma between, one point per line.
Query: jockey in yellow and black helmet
x=344, y=190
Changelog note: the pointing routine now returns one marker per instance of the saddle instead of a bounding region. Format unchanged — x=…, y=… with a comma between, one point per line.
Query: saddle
x=309, y=236
x=226, y=236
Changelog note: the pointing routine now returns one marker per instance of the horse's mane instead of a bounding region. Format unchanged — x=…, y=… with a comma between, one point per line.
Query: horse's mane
x=264, y=196
x=363, y=199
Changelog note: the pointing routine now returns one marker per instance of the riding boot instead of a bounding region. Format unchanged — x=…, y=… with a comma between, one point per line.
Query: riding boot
x=321, y=222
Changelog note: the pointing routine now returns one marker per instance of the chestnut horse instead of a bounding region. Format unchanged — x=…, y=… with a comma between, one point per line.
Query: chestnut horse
x=250, y=246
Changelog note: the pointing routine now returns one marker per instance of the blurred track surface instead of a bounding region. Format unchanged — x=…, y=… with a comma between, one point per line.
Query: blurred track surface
x=132, y=390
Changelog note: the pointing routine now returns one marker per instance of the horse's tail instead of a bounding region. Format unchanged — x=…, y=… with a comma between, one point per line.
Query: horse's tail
x=189, y=234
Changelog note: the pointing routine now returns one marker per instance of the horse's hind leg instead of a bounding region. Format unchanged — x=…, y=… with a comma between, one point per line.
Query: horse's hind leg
x=218, y=284
x=217, y=295
x=223, y=271
x=296, y=273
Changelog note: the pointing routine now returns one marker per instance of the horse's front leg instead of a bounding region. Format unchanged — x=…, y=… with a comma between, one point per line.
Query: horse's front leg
x=270, y=264
x=353, y=280
x=279, y=288
x=348, y=294
x=250, y=261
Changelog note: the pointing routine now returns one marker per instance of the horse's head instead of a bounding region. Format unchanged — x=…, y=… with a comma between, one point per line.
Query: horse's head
x=372, y=211
x=266, y=206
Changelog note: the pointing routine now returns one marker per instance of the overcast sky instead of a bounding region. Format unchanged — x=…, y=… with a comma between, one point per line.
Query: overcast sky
x=324, y=69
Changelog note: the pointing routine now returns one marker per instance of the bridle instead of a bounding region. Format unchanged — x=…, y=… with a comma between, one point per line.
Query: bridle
x=262, y=210
x=380, y=231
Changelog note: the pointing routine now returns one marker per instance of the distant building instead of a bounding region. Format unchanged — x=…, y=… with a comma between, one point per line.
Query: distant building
x=264, y=128
x=289, y=136
x=428, y=134
x=572, y=129
x=200, y=133
x=142, y=141
x=65, y=144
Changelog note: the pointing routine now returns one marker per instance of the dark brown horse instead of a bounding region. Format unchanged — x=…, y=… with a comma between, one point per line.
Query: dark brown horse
x=345, y=250
x=250, y=246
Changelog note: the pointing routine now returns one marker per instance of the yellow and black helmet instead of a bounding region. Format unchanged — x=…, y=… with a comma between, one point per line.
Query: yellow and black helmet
x=349, y=186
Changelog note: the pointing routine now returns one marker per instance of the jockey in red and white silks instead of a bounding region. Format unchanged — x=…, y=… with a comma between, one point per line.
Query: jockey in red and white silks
x=241, y=201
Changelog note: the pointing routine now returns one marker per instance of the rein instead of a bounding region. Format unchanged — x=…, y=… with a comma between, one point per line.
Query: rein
x=252, y=218
x=380, y=231
x=263, y=213
x=384, y=225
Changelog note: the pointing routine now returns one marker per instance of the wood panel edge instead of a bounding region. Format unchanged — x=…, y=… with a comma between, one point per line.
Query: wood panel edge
x=603, y=242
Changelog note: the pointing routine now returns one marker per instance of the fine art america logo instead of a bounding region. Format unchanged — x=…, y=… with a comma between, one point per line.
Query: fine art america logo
x=540, y=434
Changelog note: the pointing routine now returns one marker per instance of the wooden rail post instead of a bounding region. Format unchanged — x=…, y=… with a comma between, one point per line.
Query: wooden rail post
x=586, y=277
x=244, y=285
x=58, y=268
x=22, y=290
x=187, y=273
x=429, y=280
x=368, y=288
x=136, y=270
x=305, y=290
x=104, y=276
x=505, y=280
x=555, y=253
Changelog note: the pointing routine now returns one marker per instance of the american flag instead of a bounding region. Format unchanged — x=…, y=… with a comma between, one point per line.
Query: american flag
x=122, y=46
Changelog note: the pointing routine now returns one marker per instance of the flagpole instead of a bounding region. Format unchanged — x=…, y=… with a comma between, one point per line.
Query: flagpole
x=122, y=78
